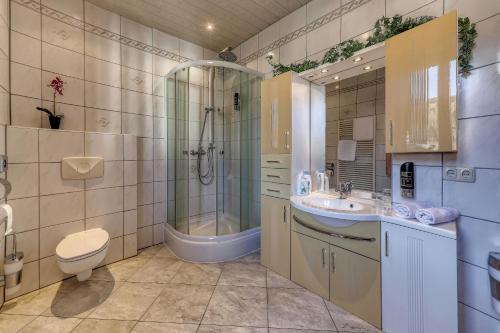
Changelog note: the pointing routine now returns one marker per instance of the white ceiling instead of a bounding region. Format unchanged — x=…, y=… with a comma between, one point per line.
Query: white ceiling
x=234, y=21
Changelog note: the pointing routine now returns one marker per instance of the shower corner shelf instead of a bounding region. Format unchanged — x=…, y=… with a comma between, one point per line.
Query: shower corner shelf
x=373, y=56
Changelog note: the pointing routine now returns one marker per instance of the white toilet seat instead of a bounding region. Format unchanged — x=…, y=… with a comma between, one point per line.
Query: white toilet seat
x=78, y=253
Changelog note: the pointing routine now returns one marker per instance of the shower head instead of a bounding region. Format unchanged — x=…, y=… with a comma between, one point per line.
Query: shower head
x=227, y=55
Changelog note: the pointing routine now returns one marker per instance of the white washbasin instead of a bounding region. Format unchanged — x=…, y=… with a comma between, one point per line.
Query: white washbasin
x=333, y=204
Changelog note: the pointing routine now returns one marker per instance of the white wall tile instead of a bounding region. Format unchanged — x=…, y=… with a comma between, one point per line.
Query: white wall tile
x=159, y=212
x=26, y=212
x=324, y=37
x=73, y=8
x=102, y=48
x=24, y=180
x=102, y=121
x=144, y=237
x=25, y=50
x=190, y=50
x=250, y=46
x=73, y=116
x=395, y=7
x=293, y=51
x=113, y=176
x=115, y=251
x=361, y=19
x=25, y=20
x=24, y=112
x=162, y=66
x=102, y=18
x=50, y=271
x=25, y=80
x=55, y=145
x=432, y=9
x=487, y=50
x=130, y=245
x=112, y=223
x=165, y=41
x=471, y=9
x=318, y=8
x=137, y=80
x=293, y=21
x=61, y=34
x=158, y=234
x=469, y=248
x=130, y=197
x=134, y=58
x=144, y=215
x=479, y=199
x=130, y=222
x=137, y=102
x=102, y=97
x=71, y=66
x=130, y=147
x=51, y=181
x=107, y=146
x=22, y=144
x=101, y=71
x=103, y=201
x=130, y=173
x=28, y=242
x=60, y=208
x=31, y=280
x=471, y=320
x=138, y=125
x=136, y=31
x=427, y=184
x=269, y=35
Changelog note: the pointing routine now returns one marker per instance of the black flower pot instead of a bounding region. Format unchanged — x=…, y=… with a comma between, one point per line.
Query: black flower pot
x=55, y=121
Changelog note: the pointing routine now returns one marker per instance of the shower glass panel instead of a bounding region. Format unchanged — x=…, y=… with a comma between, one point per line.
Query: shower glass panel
x=213, y=150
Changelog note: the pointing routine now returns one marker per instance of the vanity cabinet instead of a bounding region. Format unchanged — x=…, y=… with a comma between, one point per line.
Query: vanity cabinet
x=419, y=281
x=311, y=264
x=275, y=234
x=421, y=88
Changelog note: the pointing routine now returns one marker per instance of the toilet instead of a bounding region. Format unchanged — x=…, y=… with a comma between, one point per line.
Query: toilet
x=78, y=253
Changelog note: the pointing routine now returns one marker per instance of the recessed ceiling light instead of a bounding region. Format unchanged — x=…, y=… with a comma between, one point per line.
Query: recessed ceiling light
x=357, y=59
x=336, y=77
x=210, y=27
x=367, y=68
x=324, y=70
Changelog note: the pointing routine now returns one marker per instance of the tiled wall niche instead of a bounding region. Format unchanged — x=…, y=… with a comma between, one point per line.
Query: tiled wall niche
x=357, y=97
x=311, y=30
x=47, y=207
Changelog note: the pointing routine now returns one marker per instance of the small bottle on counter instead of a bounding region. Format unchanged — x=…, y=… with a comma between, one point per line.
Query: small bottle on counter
x=304, y=183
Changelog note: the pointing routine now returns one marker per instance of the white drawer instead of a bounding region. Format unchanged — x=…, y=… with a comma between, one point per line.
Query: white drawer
x=275, y=190
x=272, y=175
x=276, y=161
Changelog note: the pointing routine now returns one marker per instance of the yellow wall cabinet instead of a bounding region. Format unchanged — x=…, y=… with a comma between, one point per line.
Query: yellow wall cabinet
x=421, y=88
x=275, y=240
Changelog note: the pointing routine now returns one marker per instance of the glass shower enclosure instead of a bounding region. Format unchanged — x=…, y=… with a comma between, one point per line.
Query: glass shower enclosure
x=213, y=148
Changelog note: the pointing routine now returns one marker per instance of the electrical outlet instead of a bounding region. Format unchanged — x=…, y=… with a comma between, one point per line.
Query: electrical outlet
x=460, y=174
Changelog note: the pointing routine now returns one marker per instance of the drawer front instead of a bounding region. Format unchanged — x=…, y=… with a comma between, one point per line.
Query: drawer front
x=360, y=237
x=281, y=176
x=275, y=190
x=276, y=161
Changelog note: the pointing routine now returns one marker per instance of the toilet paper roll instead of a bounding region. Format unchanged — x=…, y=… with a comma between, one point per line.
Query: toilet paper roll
x=8, y=213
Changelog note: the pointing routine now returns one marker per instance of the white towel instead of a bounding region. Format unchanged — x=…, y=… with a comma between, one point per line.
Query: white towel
x=8, y=213
x=362, y=129
x=407, y=209
x=436, y=215
x=346, y=150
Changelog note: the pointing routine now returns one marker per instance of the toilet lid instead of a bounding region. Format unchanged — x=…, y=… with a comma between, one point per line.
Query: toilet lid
x=82, y=244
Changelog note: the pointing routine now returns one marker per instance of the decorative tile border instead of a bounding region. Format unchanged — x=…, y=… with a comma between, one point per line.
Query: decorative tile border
x=57, y=15
x=325, y=19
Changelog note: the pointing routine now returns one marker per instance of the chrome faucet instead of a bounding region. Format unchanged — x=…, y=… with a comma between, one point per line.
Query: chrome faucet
x=345, y=189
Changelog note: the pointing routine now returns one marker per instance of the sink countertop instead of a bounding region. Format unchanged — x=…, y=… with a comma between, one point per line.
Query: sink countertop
x=372, y=211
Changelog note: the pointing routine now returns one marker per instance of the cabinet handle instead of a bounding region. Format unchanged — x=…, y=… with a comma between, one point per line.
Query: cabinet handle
x=332, y=255
x=273, y=161
x=287, y=136
x=284, y=214
x=273, y=176
x=323, y=254
x=271, y=190
x=337, y=235
x=390, y=132
x=386, y=243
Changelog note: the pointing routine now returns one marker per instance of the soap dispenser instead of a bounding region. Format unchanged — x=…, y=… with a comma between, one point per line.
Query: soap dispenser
x=304, y=183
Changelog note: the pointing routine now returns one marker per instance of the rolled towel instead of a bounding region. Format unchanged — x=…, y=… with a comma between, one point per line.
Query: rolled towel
x=407, y=209
x=436, y=215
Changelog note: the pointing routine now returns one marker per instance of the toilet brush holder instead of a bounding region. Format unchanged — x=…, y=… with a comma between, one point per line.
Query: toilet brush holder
x=13, y=269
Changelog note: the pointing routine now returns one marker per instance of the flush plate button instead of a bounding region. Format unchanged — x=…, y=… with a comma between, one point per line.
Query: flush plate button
x=460, y=174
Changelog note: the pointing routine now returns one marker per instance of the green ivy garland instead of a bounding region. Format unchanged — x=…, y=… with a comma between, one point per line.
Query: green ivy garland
x=387, y=27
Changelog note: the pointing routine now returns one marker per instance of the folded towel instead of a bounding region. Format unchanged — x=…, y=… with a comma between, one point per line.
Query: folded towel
x=407, y=209
x=363, y=128
x=346, y=150
x=436, y=215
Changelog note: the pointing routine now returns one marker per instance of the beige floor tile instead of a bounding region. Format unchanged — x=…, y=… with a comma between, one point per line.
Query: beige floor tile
x=150, y=327
x=108, y=326
x=275, y=280
x=119, y=271
x=297, y=309
x=51, y=324
x=158, y=270
x=290, y=330
x=151, y=251
x=82, y=300
x=243, y=274
x=180, y=303
x=237, y=306
x=164, y=251
x=129, y=302
x=13, y=323
x=253, y=258
x=36, y=302
x=230, y=329
x=191, y=273
x=347, y=322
